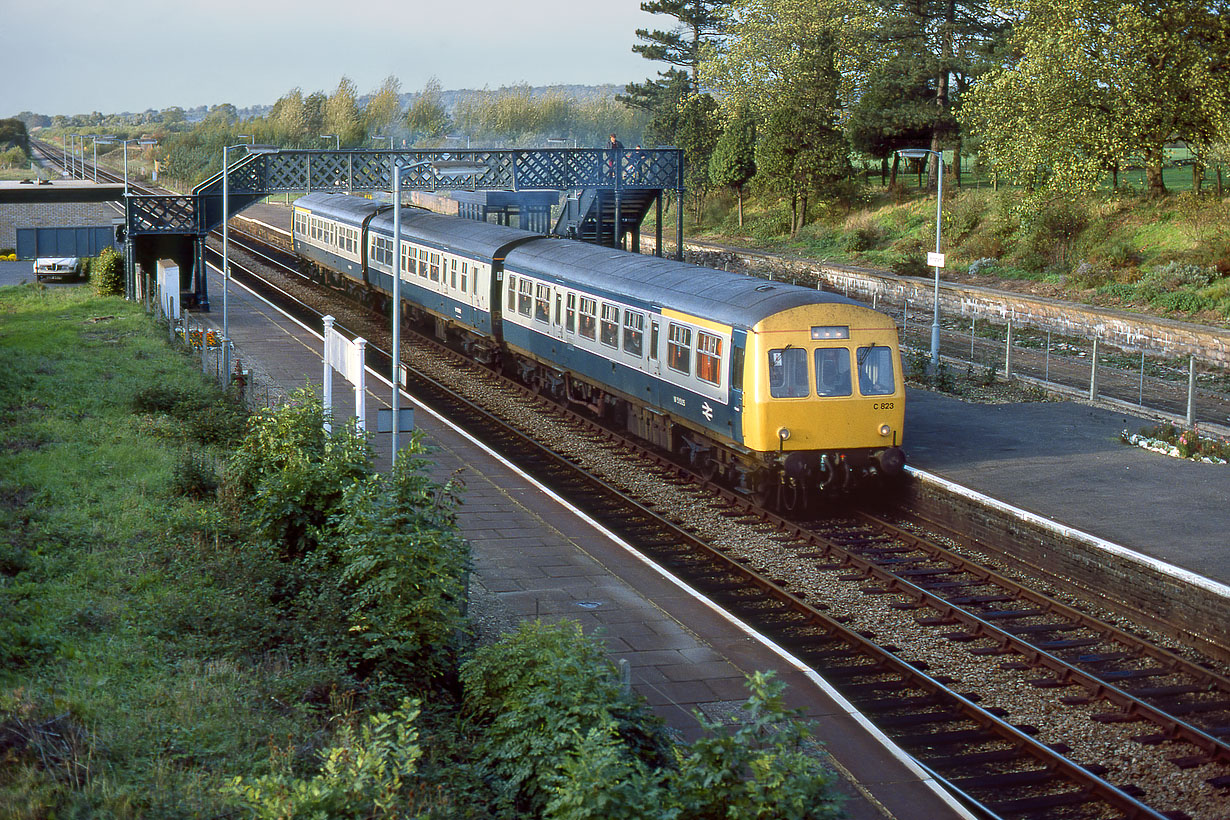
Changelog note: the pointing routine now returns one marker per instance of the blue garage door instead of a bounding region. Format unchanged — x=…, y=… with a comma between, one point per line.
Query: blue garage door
x=86, y=241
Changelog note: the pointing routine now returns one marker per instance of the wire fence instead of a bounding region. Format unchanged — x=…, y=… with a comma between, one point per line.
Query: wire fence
x=1182, y=390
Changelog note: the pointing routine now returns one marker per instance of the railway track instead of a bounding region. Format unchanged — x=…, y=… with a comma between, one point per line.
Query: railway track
x=1087, y=673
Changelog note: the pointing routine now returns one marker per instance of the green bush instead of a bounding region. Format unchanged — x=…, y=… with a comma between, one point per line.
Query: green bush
x=288, y=477
x=194, y=476
x=1183, y=301
x=536, y=694
x=766, y=767
x=360, y=777
x=401, y=566
x=107, y=273
x=221, y=422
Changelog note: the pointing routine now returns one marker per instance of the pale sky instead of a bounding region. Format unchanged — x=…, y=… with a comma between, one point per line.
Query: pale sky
x=79, y=56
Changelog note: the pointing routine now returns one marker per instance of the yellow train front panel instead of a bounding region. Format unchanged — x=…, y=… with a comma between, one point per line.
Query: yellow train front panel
x=823, y=378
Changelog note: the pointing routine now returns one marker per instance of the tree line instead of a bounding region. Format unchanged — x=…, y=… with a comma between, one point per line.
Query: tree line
x=1053, y=95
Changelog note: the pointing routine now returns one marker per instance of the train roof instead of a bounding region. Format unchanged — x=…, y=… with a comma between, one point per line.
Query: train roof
x=722, y=296
x=730, y=298
x=468, y=236
x=339, y=206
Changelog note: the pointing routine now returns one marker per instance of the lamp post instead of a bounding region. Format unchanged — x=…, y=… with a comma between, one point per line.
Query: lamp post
x=922, y=153
x=226, y=263
x=95, y=139
x=337, y=140
x=445, y=169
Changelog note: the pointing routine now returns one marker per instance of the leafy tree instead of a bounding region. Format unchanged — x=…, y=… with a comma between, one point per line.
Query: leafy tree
x=314, y=112
x=669, y=99
x=428, y=116
x=896, y=110
x=384, y=108
x=801, y=151
x=733, y=163
x=700, y=22
x=13, y=134
x=289, y=117
x=342, y=115
x=697, y=134
x=1095, y=83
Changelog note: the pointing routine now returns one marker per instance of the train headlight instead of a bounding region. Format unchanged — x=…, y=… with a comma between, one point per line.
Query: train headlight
x=783, y=434
x=886, y=430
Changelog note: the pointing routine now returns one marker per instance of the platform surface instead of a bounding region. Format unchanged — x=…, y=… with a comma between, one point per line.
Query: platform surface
x=1065, y=461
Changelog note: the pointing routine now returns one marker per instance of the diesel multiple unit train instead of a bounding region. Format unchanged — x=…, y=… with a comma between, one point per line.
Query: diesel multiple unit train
x=779, y=390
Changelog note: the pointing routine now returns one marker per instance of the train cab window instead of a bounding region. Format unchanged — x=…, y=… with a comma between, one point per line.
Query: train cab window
x=589, y=317
x=875, y=371
x=634, y=333
x=525, y=297
x=708, y=357
x=788, y=373
x=833, y=371
x=435, y=267
x=679, y=348
x=571, y=321
x=610, y=325
x=542, y=303
x=736, y=367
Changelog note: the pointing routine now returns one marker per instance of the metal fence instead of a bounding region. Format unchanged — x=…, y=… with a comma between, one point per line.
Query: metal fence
x=1182, y=390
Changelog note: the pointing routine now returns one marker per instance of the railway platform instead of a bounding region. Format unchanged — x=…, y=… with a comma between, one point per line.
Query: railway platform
x=537, y=558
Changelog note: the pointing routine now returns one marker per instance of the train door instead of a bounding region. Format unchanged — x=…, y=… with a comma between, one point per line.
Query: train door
x=557, y=317
x=653, y=361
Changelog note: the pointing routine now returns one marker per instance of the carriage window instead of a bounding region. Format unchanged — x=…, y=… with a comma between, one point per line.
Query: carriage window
x=736, y=368
x=559, y=309
x=679, y=348
x=423, y=262
x=465, y=277
x=407, y=260
x=610, y=325
x=833, y=371
x=875, y=371
x=589, y=317
x=788, y=373
x=525, y=297
x=572, y=313
x=708, y=357
x=453, y=267
x=435, y=267
x=634, y=332
x=512, y=294
x=653, y=340
x=542, y=303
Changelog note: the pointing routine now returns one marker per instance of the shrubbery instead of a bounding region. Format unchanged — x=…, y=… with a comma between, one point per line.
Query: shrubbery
x=107, y=273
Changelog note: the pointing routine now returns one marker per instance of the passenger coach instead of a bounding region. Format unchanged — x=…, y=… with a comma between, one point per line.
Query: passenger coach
x=775, y=388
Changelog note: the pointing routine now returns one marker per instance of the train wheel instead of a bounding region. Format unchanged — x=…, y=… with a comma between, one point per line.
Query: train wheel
x=707, y=466
x=792, y=496
x=764, y=490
